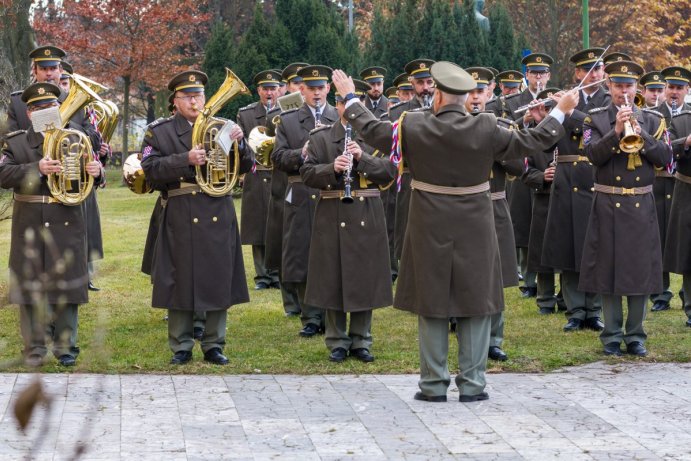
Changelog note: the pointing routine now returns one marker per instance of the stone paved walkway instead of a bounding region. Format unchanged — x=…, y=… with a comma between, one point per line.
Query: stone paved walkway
x=595, y=412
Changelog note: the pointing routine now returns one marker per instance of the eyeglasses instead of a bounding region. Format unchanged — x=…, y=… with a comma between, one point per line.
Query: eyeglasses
x=538, y=72
x=193, y=97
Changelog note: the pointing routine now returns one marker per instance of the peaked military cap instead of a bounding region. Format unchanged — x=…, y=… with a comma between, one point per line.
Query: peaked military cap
x=616, y=56
x=419, y=68
x=281, y=80
x=290, y=73
x=652, y=79
x=510, y=78
x=624, y=71
x=40, y=93
x=587, y=58
x=676, y=75
x=481, y=75
x=451, y=78
x=538, y=62
x=268, y=78
x=315, y=75
x=47, y=56
x=402, y=82
x=373, y=74
x=495, y=71
x=548, y=93
x=189, y=81
x=67, y=70
x=391, y=94
x=361, y=89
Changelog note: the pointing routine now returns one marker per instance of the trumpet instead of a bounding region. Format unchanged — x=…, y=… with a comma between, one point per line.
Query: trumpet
x=347, y=179
x=630, y=142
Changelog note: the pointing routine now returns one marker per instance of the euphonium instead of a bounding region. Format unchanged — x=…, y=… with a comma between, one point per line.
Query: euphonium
x=262, y=145
x=639, y=100
x=630, y=142
x=220, y=173
x=107, y=116
x=71, y=148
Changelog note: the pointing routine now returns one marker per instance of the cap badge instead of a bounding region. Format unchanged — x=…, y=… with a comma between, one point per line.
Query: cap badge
x=620, y=58
x=656, y=77
x=268, y=76
x=475, y=75
x=591, y=55
x=538, y=59
x=47, y=52
x=315, y=73
x=374, y=72
x=191, y=78
x=677, y=73
x=624, y=68
x=41, y=90
x=550, y=94
x=423, y=65
x=511, y=76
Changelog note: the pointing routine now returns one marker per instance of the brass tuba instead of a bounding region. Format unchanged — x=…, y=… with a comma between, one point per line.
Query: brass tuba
x=220, y=173
x=262, y=145
x=71, y=148
x=107, y=117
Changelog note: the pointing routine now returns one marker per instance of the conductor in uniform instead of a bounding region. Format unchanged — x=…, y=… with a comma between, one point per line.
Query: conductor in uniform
x=198, y=265
x=48, y=274
x=621, y=254
x=256, y=187
x=349, y=229
x=449, y=270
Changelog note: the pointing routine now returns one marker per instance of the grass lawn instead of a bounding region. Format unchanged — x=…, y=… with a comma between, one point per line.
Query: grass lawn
x=120, y=333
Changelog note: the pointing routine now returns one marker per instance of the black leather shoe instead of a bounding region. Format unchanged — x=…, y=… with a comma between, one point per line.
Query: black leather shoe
x=473, y=398
x=573, y=324
x=545, y=310
x=181, y=358
x=362, y=354
x=429, y=398
x=309, y=330
x=495, y=353
x=594, y=323
x=452, y=325
x=33, y=360
x=92, y=287
x=529, y=292
x=198, y=333
x=660, y=306
x=275, y=285
x=215, y=356
x=612, y=349
x=67, y=360
x=338, y=355
x=636, y=348
x=261, y=286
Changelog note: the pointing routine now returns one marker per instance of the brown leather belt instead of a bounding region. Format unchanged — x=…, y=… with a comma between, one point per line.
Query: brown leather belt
x=501, y=195
x=294, y=179
x=354, y=194
x=185, y=188
x=623, y=190
x=683, y=177
x=35, y=198
x=571, y=158
x=260, y=167
x=663, y=174
x=446, y=190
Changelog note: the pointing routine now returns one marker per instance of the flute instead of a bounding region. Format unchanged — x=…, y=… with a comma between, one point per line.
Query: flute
x=546, y=100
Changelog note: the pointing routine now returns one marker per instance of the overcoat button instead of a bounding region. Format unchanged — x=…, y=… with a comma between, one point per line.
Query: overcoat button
x=342, y=224
x=195, y=220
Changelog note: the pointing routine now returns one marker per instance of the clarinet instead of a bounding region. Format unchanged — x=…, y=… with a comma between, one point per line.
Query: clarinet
x=347, y=179
x=426, y=101
x=674, y=106
x=317, y=114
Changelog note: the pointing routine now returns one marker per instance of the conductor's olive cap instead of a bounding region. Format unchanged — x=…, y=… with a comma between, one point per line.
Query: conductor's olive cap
x=451, y=78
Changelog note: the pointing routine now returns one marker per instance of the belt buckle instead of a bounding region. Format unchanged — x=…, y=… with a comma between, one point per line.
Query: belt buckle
x=628, y=191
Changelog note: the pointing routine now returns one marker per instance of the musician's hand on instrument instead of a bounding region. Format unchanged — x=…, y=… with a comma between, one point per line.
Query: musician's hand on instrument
x=636, y=127
x=304, y=150
x=236, y=133
x=549, y=174
x=47, y=166
x=343, y=83
x=687, y=143
x=93, y=168
x=104, y=150
x=568, y=101
x=196, y=156
x=341, y=163
x=528, y=117
x=536, y=113
x=623, y=116
x=355, y=150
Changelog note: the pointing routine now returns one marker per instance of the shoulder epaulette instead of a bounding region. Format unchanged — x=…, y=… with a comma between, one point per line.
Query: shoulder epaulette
x=320, y=128
x=274, y=109
x=419, y=109
x=654, y=112
x=15, y=93
x=289, y=111
x=14, y=133
x=508, y=122
x=683, y=112
x=249, y=106
x=597, y=110
x=158, y=121
x=512, y=95
x=397, y=105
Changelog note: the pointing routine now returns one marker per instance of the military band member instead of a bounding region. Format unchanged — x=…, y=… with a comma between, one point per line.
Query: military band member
x=300, y=200
x=375, y=100
x=347, y=234
x=196, y=267
x=48, y=274
x=653, y=89
x=405, y=90
x=676, y=86
x=66, y=76
x=572, y=197
x=391, y=94
x=475, y=104
x=449, y=270
x=509, y=84
x=677, y=254
x=520, y=200
x=621, y=254
x=256, y=187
